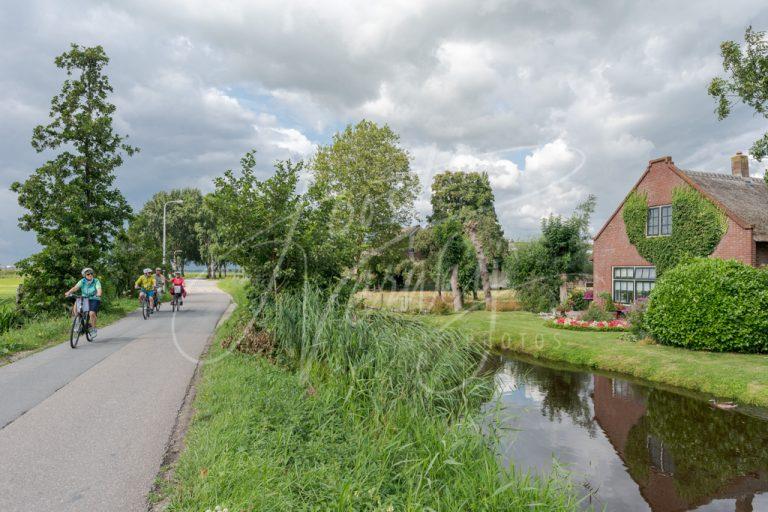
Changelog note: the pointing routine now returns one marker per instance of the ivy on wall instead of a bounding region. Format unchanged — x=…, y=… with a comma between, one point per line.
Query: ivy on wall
x=697, y=227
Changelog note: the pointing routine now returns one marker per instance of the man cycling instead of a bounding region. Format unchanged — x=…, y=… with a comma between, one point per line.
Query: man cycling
x=159, y=284
x=90, y=288
x=146, y=283
x=179, y=281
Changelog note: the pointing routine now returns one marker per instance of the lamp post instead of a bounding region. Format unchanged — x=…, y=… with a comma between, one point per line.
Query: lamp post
x=165, y=206
x=175, y=263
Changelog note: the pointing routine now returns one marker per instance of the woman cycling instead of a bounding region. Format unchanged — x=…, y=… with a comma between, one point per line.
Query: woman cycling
x=179, y=281
x=90, y=288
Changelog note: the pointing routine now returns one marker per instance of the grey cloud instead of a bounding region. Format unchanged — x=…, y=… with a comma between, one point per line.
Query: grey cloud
x=619, y=82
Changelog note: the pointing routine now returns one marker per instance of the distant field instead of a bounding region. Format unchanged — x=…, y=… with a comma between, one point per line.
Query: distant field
x=8, y=285
x=422, y=301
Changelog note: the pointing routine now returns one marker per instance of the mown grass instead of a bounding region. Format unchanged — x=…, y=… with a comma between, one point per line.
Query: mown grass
x=743, y=377
x=39, y=333
x=346, y=417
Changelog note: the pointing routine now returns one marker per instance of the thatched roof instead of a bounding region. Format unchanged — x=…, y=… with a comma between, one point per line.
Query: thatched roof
x=746, y=198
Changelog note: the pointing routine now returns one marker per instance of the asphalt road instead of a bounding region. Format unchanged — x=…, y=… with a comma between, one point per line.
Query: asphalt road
x=86, y=429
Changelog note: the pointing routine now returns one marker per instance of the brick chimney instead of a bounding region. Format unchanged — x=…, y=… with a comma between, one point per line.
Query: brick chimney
x=740, y=165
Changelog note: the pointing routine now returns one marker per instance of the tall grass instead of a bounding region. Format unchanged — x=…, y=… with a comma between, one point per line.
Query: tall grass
x=363, y=411
x=383, y=359
x=9, y=315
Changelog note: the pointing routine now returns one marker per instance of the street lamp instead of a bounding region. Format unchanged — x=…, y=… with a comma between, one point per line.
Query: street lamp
x=175, y=263
x=165, y=206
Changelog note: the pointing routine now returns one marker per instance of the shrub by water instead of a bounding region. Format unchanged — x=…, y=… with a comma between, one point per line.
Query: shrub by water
x=711, y=304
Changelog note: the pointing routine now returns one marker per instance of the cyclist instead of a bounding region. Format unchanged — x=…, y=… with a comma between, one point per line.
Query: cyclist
x=179, y=281
x=90, y=288
x=146, y=283
x=159, y=285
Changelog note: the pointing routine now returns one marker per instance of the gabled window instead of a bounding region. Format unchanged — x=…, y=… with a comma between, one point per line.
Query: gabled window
x=666, y=220
x=659, y=221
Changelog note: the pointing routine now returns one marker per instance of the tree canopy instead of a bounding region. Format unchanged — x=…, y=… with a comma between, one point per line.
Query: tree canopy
x=747, y=69
x=534, y=269
x=71, y=200
x=363, y=186
x=467, y=198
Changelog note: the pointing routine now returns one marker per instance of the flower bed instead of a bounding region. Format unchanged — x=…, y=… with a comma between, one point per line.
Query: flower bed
x=580, y=325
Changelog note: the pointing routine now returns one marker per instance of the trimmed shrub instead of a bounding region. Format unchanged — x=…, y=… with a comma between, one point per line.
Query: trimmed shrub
x=596, y=313
x=537, y=295
x=636, y=317
x=577, y=302
x=711, y=304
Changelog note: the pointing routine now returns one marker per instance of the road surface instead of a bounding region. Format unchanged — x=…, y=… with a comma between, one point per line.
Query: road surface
x=87, y=429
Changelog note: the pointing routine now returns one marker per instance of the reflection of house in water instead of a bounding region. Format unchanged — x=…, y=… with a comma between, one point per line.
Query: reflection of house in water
x=621, y=410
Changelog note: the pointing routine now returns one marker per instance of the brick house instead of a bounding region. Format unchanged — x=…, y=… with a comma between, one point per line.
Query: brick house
x=621, y=271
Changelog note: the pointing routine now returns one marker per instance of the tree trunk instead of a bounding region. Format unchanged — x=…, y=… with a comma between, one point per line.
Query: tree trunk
x=482, y=263
x=458, y=298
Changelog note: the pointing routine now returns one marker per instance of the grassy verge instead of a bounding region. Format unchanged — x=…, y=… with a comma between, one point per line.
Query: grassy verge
x=345, y=417
x=41, y=333
x=743, y=377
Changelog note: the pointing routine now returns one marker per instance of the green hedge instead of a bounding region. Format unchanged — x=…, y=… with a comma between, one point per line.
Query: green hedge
x=711, y=304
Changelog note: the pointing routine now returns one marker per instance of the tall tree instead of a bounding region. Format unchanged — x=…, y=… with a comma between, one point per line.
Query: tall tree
x=535, y=268
x=747, y=67
x=70, y=200
x=146, y=229
x=444, y=248
x=468, y=198
x=363, y=181
x=265, y=225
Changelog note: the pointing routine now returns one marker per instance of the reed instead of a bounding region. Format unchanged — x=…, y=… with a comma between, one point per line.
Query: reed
x=359, y=411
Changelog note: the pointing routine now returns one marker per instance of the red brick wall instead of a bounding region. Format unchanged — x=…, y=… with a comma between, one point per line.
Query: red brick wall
x=612, y=248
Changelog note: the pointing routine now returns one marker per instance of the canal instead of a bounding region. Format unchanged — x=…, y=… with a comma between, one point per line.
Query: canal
x=628, y=446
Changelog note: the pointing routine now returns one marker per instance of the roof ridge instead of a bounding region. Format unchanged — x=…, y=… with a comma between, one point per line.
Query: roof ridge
x=721, y=175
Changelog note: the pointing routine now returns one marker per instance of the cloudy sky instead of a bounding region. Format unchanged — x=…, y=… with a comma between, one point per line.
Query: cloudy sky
x=554, y=99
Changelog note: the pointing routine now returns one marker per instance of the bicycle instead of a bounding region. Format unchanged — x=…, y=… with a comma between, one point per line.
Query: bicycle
x=176, y=295
x=81, y=324
x=158, y=298
x=146, y=310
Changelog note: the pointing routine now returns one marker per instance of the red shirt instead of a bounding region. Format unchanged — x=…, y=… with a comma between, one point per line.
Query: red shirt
x=178, y=281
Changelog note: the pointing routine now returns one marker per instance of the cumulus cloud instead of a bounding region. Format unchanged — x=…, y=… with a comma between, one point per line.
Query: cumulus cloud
x=553, y=99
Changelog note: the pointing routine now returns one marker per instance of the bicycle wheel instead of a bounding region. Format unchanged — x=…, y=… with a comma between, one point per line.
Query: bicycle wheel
x=173, y=304
x=144, y=309
x=87, y=329
x=74, y=333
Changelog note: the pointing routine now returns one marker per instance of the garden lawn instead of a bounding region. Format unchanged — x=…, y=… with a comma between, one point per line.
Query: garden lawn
x=743, y=377
x=44, y=332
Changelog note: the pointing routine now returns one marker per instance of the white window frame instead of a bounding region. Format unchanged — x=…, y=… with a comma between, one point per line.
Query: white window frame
x=659, y=212
x=633, y=279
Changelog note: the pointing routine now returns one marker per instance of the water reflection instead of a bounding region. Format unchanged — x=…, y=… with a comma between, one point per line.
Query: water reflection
x=630, y=446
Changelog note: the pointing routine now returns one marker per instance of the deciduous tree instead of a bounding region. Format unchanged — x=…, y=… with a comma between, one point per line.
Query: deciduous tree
x=364, y=187
x=71, y=200
x=468, y=198
x=747, y=67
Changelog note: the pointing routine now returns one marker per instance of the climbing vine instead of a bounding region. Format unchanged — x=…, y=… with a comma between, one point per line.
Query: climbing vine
x=697, y=227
